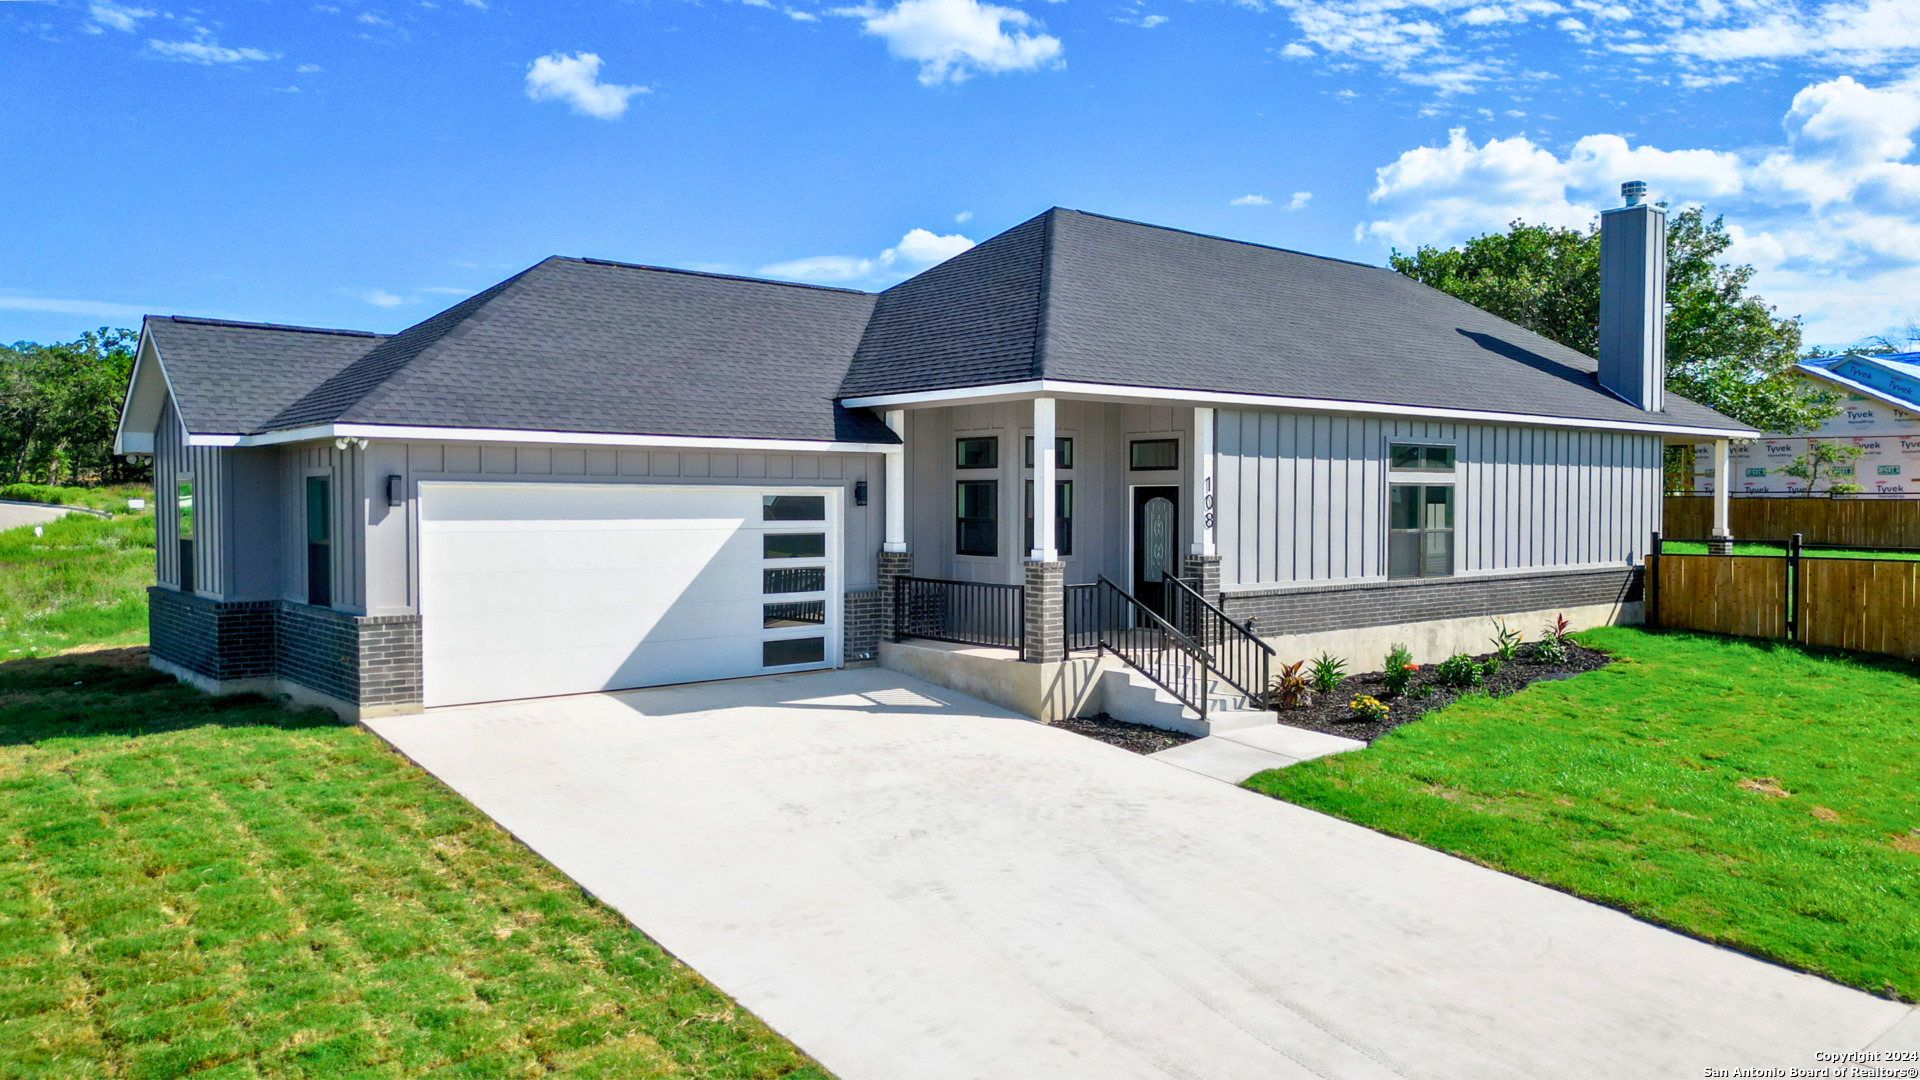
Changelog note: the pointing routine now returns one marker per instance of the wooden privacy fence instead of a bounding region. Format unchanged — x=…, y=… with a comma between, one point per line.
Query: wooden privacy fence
x=1868, y=605
x=1881, y=523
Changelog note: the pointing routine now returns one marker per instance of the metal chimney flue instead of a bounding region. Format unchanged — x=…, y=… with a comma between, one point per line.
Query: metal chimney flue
x=1633, y=299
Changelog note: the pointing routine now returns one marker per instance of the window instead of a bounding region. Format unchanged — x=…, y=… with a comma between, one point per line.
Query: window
x=794, y=545
x=319, y=542
x=183, y=503
x=979, y=453
x=1409, y=458
x=1420, y=531
x=797, y=579
x=978, y=517
x=784, y=651
x=798, y=613
x=1062, y=516
x=1062, y=453
x=1153, y=455
x=793, y=508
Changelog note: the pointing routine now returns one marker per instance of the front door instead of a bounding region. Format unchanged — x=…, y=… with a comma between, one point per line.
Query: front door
x=1156, y=531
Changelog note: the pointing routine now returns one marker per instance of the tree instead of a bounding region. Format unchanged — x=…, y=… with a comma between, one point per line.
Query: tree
x=59, y=406
x=1725, y=348
x=1825, y=459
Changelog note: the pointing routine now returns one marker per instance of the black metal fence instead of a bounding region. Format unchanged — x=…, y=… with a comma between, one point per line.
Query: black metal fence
x=963, y=612
x=1134, y=632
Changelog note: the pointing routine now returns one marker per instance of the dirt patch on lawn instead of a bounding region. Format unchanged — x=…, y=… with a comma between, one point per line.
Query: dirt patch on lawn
x=1330, y=713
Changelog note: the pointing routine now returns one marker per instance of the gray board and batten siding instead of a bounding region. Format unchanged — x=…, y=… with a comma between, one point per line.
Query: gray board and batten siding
x=393, y=550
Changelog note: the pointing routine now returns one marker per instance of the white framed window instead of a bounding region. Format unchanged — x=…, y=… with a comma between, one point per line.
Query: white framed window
x=1421, y=509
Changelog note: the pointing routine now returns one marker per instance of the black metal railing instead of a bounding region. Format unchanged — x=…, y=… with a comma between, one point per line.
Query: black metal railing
x=963, y=612
x=1083, y=617
x=1237, y=655
x=1135, y=633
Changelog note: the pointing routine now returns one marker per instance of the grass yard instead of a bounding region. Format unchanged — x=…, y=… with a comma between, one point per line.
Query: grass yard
x=83, y=583
x=109, y=497
x=226, y=888
x=1757, y=795
x=1758, y=547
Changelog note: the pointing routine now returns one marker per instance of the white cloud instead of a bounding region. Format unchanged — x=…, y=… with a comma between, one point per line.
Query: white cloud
x=916, y=251
x=116, y=17
x=576, y=80
x=1843, y=31
x=1299, y=200
x=92, y=309
x=481, y=4
x=381, y=298
x=963, y=217
x=1250, y=200
x=308, y=69
x=206, y=52
x=802, y=16
x=371, y=19
x=952, y=39
x=1830, y=218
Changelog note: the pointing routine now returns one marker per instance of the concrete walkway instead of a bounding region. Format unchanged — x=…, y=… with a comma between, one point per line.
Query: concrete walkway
x=1233, y=756
x=15, y=514
x=910, y=883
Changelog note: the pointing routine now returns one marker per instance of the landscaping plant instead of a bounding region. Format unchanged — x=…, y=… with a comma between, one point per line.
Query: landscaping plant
x=1328, y=672
x=1367, y=707
x=1292, y=688
x=1459, y=670
x=1506, y=640
x=1552, y=646
x=1398, y=670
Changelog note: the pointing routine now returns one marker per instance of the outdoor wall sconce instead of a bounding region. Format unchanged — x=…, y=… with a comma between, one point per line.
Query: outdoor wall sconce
x=859, y=493
x=396, y=491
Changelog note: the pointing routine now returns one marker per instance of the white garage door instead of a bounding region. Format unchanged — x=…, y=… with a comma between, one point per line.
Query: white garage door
x=528, y=590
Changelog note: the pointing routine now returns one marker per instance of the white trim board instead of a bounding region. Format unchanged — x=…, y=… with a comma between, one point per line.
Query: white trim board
x=404, y=433
x=1102, y=391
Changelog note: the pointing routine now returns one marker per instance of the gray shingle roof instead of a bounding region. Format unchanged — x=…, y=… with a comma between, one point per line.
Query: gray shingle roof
x=231, y=378
x=583, y=345
x=1140, y=305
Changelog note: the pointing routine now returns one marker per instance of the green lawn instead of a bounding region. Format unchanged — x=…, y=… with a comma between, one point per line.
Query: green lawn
x=1753, y=794
x=228, y=888
x=110, y=497
x=1743, y=547
x=83, y=583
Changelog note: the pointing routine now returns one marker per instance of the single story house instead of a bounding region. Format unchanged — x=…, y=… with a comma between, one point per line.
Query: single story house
x=1879, y=413
x=595, y=475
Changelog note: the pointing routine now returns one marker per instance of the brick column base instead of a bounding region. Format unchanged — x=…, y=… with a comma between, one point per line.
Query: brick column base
x=1203, y=573
x=1720, y=545
x=893, y=565
x=1045, y=602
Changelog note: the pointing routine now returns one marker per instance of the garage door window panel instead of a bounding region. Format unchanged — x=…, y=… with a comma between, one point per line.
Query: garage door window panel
x=795, y=545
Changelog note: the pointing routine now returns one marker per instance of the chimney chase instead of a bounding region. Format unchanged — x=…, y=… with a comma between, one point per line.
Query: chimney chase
x=1633, y=299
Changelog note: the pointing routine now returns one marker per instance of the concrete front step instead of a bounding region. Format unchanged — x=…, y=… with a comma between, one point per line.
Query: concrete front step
x=1132, y=697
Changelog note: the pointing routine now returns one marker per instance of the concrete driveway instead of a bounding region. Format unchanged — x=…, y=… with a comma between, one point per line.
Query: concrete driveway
x=15, y=514
x=910, y=883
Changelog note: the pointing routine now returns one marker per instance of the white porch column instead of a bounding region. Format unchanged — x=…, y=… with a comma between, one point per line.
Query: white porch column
x=1202, y=495
x=896, y=493
x=1045, y=548
x=1722, y=489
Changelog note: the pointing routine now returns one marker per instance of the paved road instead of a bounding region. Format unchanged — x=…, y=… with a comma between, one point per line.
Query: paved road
x=911, y=883
x=14, y=514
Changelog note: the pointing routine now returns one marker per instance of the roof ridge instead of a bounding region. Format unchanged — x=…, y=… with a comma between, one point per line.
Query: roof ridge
x=711, y=274
x=1225, y=239
x=198, y=320
x=1038, y=365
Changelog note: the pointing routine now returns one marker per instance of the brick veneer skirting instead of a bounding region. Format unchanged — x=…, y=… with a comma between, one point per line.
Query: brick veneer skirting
x=1318, y=608
x=861, y=619
x=364, y=660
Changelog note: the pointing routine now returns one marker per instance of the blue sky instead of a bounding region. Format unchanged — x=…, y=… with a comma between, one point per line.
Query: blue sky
x=365, y=164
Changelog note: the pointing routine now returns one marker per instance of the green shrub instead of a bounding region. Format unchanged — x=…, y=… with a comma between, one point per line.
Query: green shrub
x=1328, y=672
x=1506, y=640
x=1459, y=670
x=1398, y=670
x=1550, y=650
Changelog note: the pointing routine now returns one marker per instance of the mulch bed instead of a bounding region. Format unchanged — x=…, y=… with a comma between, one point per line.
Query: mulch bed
x=1329, y=712
x=1138, y=738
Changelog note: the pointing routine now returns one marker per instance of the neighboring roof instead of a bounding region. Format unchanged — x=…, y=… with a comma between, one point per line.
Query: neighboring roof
x=231, y=378
x=584, y=345
x=1891, y=377
x=1118, y=302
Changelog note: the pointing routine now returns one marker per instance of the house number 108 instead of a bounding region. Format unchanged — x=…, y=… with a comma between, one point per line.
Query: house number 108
x=1206, y=502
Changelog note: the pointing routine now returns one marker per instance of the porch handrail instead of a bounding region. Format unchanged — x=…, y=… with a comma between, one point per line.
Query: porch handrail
x=1238, y=654
x=1150, y=645
x=962, y=612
